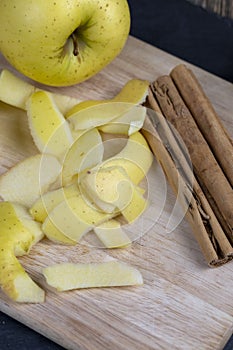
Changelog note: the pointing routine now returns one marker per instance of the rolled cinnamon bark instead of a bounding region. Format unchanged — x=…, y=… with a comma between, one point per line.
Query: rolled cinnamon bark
x=206, y=117
x=215, y=246
x=206, y=168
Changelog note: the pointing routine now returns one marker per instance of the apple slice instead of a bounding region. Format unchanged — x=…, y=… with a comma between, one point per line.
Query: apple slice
x=108, y=187
x=15, y=92
x=56, y=235
x=29, y=178
x=17, y=234
x=73, y=218
x=94, y=113
x=18, y=228
x=86, y=152
x=70, y=276
x=49, y=129
x=136, y=158
x=64, y=103
x=48, y=201
x=98, y=114
x=31, y=225
x=111, y=234
x=84, y=105
x=134, y=91
x=136, y=206
x=128, y=123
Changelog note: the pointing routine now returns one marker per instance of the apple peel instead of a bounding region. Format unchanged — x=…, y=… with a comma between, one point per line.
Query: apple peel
x=86, y=152
x=49, y=129
x=29, y=178
x=128, y=123
x=68, y=276
x=111, y=234
x=108, y=187
x=73, y=218
x=16, y=92
x=16, y=239
x=135, y=92
x=13, y=90
x=49, y=200
x=136, y=158
x=98, y=114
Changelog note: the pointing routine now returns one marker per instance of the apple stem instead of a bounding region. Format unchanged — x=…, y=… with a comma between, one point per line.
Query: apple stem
x=75, y=43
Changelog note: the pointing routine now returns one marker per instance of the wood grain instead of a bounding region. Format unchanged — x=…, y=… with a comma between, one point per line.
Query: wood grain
x=183, y=304
x=222, y=7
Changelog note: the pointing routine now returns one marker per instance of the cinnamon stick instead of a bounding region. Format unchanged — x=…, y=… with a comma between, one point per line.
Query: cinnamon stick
x=206, y=117
x=204, y=163
x=209, y=234
x=224, y=224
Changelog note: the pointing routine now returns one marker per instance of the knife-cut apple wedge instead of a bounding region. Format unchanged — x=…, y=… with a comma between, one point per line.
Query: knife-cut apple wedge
x=73, y=218
x=17, y=235
x=29, y=178
x=86, y=152
x=110, y=233
x=49, y=200
x=136, y=158
x=128, y=123
x=70, y=276
x=49, y=129
x=15, y=92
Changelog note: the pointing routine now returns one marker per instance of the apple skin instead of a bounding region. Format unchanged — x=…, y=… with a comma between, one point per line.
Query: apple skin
x=38, y=37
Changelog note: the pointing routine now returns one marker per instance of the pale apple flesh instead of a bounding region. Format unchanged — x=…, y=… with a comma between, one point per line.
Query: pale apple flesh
x=24, y=182
x=68, y=214
x=16, y=92
x=62, y=42
x=110, y=233
x=48, y=201
x=134, y=91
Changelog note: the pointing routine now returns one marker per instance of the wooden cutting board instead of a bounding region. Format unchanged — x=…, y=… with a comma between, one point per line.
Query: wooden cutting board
x=183, y=304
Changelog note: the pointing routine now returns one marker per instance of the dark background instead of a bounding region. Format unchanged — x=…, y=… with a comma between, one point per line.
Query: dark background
x=184, y=30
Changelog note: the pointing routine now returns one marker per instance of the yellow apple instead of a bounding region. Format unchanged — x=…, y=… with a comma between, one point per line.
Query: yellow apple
x=62, y=42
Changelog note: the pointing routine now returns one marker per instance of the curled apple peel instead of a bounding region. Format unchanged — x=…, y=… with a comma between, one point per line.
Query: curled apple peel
x=18, y=232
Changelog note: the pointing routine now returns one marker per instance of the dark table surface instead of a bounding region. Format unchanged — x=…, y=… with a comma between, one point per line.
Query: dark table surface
x=186, y=31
